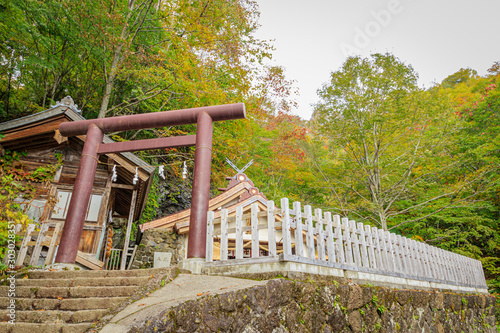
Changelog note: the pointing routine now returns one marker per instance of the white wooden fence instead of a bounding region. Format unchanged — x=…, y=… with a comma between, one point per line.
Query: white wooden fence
x=329, y=240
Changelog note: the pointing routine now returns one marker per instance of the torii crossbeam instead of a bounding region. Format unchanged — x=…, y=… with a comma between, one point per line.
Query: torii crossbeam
x=95, y=129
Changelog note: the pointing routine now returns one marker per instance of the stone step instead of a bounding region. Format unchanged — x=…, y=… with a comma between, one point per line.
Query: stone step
x=90, y=303
x=55, y=316
x=94, y=274
x=85, y=282
x=43, y=328
x=74, y=292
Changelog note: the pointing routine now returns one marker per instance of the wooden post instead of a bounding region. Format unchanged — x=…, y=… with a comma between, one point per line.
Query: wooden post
x=348, y=242
x=381, y=263
x=299, y=239
x=38, y=245
x=255, y=231
x=210, y=237
x=24, y=245
x=355, y=244
x=285, y=229
x=395, y=251
x=239, y=234
x=371, y=247
x=223, y=234
x=310, y=232
x=362, y=243
x=339, y=245
x=129, y=229
x=320, y=234
x=270, y=229
x=404, y=254
x=388, y=265
x=53, y=244
x=330, y=241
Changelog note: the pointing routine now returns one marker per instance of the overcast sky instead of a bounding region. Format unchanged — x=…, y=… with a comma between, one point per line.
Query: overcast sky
x=437, y=37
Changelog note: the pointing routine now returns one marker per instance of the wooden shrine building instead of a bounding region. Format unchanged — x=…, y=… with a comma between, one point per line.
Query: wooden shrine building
x=38, y=136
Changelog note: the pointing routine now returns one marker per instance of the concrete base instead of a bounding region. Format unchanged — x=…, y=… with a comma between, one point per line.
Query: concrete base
x=265, y=266
x=194, y=265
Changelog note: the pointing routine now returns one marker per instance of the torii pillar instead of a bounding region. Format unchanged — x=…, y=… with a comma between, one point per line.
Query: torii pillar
x=95, y=129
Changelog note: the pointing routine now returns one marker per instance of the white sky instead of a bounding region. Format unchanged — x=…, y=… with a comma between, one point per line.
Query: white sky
x=436, y=37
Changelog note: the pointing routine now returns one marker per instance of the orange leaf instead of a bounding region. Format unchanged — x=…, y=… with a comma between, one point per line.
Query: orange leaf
x=199, y=294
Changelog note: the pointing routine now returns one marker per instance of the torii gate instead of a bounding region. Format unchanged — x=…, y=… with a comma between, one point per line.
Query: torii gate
x=95, y=129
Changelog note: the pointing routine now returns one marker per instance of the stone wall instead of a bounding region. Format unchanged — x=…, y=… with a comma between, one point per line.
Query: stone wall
x=290, y=306
x=159, y=240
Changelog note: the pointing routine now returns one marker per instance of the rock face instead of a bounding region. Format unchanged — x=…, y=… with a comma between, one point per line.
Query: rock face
x=173, y=196
x=289, y=306
x=159, y=240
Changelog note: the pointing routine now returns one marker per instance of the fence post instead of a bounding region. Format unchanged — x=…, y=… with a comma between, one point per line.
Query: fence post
x=396, y=251
x=285, y=229
x=270, y=229
x=355, y=244
x=321, y=234
x=339, y=245
x=239, y=234
x=299, y=239
x=388, y=264
x=310, y=232
x=379, y=253
x=362, y=241
x=348, y=242
x=371, y=247
x=330, y=241
x=254, y=219
x=407, y=257
x=210, y=238
x=223, y=235
x=386, y=236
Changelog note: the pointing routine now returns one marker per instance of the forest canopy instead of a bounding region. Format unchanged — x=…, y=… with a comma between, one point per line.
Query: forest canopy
x=422, y=162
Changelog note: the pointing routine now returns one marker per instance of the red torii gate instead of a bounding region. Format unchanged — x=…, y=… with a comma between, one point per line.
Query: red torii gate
x=95, y=129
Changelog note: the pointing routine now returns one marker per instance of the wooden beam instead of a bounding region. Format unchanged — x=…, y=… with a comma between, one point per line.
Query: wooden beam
x=47, y=128
x=129, y=229
x=124, y=186
x=128, y=146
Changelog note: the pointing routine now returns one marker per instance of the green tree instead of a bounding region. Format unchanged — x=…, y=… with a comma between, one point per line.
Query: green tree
x=387, y=137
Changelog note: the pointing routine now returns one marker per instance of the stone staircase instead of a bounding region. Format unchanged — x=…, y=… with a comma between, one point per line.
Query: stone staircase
x=72, y=301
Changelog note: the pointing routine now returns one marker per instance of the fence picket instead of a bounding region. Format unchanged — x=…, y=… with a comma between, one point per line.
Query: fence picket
x=339, y=244
x=223, y=234
x=402, y=254
x=310, y=232
x=299, y=240
x=285, y=229
x=396, y=251
x=348, y=242
x=355, y=244
x=210, y=239
x=239, y=233
x=371, y=247
x=362, y=244
x=254, y=220
x=408, y=270
x=379, y=253
x=270, y=227
x=318, y=213
x=330, y=241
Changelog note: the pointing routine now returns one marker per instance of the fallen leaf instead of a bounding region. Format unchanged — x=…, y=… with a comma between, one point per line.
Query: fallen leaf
x=199, y=294
x=59, y=297
x=223, y=288
x=25, y=277
x=171, y=279
x=141, y=304
x=51, y=269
